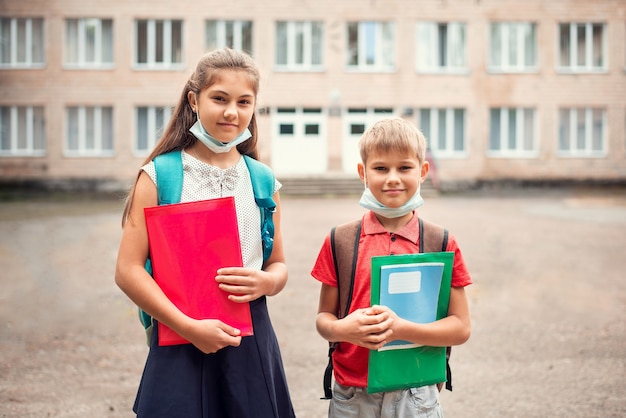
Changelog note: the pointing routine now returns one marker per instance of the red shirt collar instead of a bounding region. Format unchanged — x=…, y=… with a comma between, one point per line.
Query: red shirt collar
x=410, y=231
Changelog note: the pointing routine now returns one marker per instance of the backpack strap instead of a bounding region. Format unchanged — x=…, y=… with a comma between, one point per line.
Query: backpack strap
x=344, y=243
x=169, y=181
x=263, y=184
x=434, y=238
x=169, y=177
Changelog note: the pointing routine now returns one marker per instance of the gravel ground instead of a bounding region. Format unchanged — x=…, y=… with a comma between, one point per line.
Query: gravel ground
x=548, y=305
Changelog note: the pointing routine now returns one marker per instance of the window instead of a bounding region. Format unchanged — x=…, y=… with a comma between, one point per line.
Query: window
x=159, y=43
x=299, y=46
x=582, y=132
x=441, y=47
x=22, y=43
x=299, y=131
x=89, y=131
x=151, y=123
x=235, y=34
x=22, y=131
x=358, y=119
x=512, y=131
x=355, y=121
x=513, y=47
x=444, y=130
x=88, y=43
x=371, y=46
x=582, y=47
x=301, y=122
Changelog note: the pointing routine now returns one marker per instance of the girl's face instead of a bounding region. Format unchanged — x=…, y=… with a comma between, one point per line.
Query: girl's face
x=393, y=177
x=226, y=107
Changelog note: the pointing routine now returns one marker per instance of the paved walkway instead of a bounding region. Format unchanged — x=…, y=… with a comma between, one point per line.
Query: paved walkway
x=548, y=306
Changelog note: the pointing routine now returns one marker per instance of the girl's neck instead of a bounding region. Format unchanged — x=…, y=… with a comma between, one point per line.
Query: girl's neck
x=394, y=224
x=220, y=160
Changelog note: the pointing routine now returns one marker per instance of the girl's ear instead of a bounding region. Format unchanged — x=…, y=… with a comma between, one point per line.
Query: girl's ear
x=191, y=97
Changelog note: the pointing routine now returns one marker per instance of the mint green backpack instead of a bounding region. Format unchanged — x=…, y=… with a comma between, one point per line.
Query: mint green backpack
x=169, y=179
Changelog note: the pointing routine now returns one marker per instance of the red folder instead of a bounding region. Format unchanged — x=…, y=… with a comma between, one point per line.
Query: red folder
x=189, y=242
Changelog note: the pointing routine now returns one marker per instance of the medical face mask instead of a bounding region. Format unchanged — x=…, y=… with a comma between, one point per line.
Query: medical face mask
x=213, y=144
x=368, y=201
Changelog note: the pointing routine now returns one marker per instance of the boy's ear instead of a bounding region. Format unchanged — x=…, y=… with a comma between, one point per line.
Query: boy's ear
x=361, y=169
x=425, y=169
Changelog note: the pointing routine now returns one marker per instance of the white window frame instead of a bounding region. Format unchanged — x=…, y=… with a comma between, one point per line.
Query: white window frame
x=350, y=144
x=76, y=46
x=25, y=47
x=299, y=117
x=572, y=133
x=152, y=130
x=434, y=137
x=85, y=133
x=572, y=66
x=313, y=145
x=297, y=39
x=430, y=43
x=216, y=35
x=383, y=35
x=519, y=150
x=364, y=116
x=25, y=131
x=510, y=45
x=166, y=45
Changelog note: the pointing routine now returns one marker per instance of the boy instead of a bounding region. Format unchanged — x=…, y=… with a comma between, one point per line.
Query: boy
x=392, y=169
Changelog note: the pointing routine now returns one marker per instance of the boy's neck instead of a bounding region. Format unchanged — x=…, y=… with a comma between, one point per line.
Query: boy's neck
x=394, y=224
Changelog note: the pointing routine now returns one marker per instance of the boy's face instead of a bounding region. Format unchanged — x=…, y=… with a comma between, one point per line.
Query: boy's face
x=393, y=177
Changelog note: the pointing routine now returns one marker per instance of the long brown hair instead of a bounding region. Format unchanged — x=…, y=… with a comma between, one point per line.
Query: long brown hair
x=176, y=135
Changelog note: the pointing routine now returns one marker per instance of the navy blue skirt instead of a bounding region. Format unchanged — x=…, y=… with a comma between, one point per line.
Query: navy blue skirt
x=237, y=382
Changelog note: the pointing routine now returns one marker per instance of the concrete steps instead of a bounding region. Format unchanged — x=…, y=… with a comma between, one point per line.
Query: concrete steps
x=333, y=186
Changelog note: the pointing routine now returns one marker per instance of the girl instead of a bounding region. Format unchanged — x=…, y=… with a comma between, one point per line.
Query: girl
x=220, y=374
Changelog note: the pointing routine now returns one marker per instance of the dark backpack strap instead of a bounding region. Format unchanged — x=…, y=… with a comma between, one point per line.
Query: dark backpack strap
x=434, y=238
x=344, y=243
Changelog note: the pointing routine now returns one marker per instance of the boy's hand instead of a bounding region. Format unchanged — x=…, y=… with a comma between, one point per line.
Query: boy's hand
x=369, y=328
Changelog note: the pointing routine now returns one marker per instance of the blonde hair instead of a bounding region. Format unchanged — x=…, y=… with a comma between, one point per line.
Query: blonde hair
x=393, y=135
x=208, y=70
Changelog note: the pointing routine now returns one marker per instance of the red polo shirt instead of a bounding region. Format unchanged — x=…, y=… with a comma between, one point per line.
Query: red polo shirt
x=349, y=360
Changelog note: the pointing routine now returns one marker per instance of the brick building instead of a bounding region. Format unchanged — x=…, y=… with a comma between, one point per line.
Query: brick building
x=503, y=89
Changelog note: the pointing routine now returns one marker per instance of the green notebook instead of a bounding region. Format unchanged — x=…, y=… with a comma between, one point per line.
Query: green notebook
x=417, y=288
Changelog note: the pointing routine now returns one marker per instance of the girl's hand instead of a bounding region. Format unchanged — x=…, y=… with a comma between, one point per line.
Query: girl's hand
x=244, y=284
x=211, y=335
x=367, y=328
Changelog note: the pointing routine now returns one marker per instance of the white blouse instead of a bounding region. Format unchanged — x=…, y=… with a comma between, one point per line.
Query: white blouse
x=203, y=181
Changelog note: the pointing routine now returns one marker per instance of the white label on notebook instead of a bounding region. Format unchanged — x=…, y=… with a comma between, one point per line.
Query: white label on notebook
x=405, y=282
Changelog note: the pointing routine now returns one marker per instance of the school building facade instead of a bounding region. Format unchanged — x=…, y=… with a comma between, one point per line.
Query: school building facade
x=530, y=91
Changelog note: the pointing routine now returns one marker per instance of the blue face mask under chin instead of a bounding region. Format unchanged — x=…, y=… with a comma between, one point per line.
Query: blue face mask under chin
x=368, y=201
x=213, y=144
